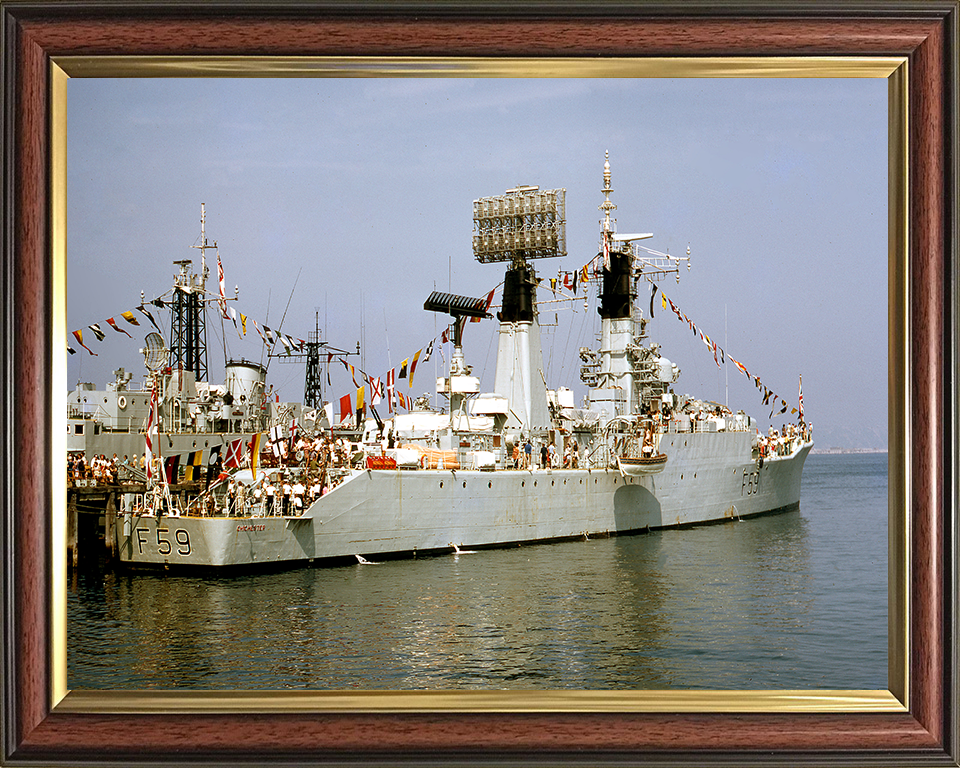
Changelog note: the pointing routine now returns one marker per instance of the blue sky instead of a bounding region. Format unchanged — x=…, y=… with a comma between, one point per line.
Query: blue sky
x=360, y=191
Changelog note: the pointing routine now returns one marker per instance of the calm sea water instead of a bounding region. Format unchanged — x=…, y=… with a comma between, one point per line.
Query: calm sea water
x=790, y=601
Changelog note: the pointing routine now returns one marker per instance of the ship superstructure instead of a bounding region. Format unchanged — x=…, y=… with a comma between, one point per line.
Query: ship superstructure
x=192, y=413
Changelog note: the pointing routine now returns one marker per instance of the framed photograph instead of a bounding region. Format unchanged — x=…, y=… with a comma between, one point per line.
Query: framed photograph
x=46, y=45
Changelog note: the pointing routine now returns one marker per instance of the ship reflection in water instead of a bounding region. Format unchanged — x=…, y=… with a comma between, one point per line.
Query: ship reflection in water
x=719, y=607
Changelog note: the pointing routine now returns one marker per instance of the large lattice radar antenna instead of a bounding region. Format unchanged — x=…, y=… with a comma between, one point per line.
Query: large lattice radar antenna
x=155, y=354
x=523, y=223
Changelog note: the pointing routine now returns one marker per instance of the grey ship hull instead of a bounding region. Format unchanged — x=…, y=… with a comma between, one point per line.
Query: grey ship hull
x=709, y=477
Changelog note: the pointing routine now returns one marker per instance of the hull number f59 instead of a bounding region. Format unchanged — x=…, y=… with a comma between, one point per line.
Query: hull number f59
x=166, y=544
x=751, y=482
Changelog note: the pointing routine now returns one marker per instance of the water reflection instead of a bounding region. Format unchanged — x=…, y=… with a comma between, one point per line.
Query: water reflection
x=721, y=606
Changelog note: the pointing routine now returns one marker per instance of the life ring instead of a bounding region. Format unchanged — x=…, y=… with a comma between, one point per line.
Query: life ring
x=424, y=461
x=121, y=402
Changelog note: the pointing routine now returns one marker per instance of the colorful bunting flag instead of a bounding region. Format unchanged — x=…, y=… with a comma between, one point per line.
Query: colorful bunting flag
x=346, y=407
x=223, y=299
x=171, y=468
x=79, y=337
x=191, y=471
x=413, y=366
x=146, y=312
x=152, y=419
x=113, y=324
x=801, y=398
x=255, y=441
x=234, y=454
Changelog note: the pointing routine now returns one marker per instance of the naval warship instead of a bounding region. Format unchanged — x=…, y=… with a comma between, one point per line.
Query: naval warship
x=635, y=456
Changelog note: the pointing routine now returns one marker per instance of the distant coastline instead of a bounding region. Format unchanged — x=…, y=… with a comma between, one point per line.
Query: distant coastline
x=848, y=450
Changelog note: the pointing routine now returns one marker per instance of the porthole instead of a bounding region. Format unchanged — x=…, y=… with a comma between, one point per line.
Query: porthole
x=523, y=483
x=534, y=483
x=464, y=485
x=441, y=483
x=681, y=477
x=489, y=485
x=553, y=483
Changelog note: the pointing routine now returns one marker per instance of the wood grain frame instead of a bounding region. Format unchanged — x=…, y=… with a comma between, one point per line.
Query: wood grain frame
x=35, y=732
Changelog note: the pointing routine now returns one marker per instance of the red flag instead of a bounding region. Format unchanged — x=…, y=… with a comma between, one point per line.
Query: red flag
x=346, y=407
x=79, y=337
x=234, y=454
x=486, y=305
x=113, y=324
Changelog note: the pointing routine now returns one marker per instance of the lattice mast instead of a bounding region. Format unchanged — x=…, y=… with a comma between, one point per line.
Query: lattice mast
x=188, y=326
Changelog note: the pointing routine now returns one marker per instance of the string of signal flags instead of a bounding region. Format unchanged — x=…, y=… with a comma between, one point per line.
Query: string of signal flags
x=572, y=281
x=240, y=321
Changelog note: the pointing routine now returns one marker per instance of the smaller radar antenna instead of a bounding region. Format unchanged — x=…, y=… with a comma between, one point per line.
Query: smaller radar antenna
x=155, y=354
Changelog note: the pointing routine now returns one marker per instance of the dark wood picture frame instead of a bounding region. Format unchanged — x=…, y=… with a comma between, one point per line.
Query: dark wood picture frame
x=37, y=732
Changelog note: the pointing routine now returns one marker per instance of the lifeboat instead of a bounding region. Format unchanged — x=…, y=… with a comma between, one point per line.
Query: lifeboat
x=635, y=466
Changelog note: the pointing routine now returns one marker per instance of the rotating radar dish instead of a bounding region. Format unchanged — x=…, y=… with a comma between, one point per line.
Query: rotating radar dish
x=155, y=354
